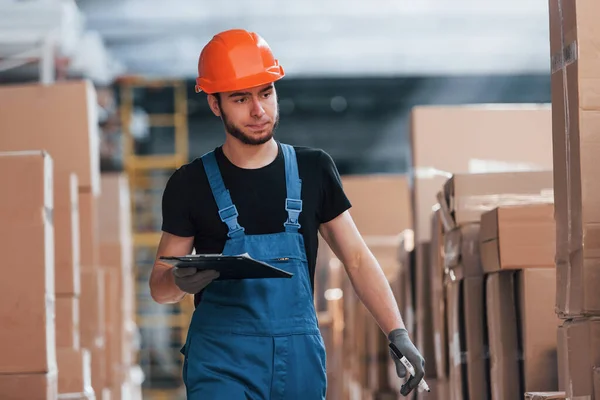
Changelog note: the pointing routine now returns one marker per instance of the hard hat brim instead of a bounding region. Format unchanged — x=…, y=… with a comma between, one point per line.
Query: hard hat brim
x=271, y=75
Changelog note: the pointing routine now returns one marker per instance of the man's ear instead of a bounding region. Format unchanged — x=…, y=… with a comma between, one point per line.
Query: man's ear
x=213, y=103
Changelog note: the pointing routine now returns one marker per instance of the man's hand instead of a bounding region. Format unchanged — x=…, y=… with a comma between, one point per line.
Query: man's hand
x=192, y=281
x=400, y=338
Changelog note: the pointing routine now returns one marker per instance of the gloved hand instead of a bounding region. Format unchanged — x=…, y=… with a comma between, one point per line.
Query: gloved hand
x=192, y=281
x=400, y=338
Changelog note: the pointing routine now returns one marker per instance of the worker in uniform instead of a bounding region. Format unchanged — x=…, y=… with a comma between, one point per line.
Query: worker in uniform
x=259, y=338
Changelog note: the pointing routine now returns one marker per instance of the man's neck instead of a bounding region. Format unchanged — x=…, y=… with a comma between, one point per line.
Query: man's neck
x=250, y=156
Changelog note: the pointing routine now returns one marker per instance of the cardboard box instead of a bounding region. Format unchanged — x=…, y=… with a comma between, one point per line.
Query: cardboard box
x=438, y=299
x=67, y=322
x=378, y=358
x=98, y=368
x=67, y=235
x=515, y=237
x=92, y=308
x=474, y=139
x=60, y=118
x=579, y=343
x=114, y=209
x=597, y=382
x=457, y=363
x=392, y=214
x=575, y=88
x=467, y=196
x=522, y=326
x=88, y=222
x=29, y=386
x=503, y=336
x=74, y=371
x=439, y=390
x=425, y=339
x=116, y=253
x=113, y=324
x=406, y=296
x=468, y=350
x=538, y=325
x=27, y=239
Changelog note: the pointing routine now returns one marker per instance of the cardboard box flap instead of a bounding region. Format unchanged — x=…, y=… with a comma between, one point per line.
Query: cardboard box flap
x=461, y=248
x=445, y=214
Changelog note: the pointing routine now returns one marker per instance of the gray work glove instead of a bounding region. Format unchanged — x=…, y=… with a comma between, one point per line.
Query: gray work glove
x=192, y=281
x=400, y=338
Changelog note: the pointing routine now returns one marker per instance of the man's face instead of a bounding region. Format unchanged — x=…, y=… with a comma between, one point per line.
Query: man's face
x=249, y=115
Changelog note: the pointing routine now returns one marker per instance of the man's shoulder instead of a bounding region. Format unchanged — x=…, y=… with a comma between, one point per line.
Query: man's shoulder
x=310, y=155
x=189, y=171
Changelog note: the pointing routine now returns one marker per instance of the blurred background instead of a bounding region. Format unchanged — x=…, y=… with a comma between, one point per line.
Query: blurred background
x=354, y=69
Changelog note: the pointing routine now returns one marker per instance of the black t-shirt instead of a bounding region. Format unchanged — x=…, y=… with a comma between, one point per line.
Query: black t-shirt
x=189, y=208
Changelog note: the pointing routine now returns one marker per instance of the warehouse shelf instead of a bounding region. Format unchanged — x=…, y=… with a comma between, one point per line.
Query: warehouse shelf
x=163, y=328
x=135, y=163
x=146, y=239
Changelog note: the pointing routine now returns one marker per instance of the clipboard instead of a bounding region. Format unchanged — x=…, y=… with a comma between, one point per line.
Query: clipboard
x=229, y=267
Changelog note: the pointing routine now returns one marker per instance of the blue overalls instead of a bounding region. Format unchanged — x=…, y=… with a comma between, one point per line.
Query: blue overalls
x=257, y=338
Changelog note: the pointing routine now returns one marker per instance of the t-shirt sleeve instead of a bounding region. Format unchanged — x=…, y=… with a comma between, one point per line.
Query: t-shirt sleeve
x=176, y=206
x=333, y=198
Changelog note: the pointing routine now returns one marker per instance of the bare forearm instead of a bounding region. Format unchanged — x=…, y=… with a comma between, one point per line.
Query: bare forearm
x=374, y=291
x=162, y=285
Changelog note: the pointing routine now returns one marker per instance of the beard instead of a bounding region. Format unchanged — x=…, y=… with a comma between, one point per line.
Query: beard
x=250, y=139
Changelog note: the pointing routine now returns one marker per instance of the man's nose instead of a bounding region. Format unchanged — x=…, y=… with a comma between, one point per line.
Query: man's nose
x=257, y=108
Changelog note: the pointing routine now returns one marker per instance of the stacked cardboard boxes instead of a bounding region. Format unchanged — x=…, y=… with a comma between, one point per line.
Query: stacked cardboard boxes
x=358, y=358
x=468, y=326
x=464, y=198
x=61, y=119
x=517, y=251
x=449, y=140
x=28, y=367
x=574, y=41
x=115, y=241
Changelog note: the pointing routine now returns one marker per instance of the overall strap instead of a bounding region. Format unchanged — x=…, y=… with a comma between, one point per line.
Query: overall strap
x=227, y=211
x=293, y=202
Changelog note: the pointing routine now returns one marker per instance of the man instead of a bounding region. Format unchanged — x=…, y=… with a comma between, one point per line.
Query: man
x=259, y=339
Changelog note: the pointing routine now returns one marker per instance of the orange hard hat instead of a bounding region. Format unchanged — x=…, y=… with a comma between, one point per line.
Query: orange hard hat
x=236, y=59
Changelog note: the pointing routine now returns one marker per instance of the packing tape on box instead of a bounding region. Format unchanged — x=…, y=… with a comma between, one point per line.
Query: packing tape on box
x=567, y=56
x=488, y=202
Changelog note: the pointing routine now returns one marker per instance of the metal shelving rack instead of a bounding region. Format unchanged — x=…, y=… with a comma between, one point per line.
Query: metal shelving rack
x=163, y=327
